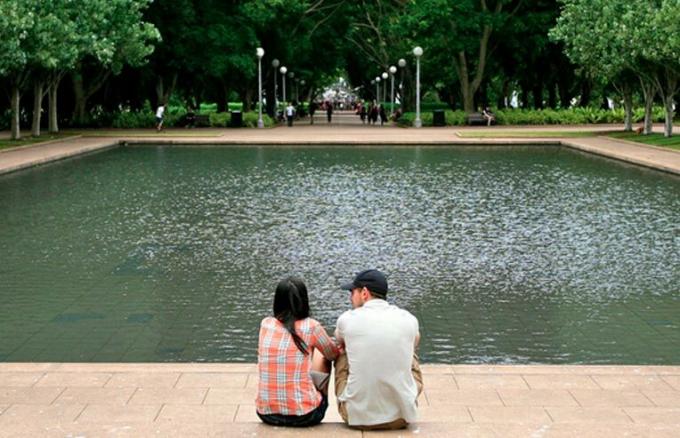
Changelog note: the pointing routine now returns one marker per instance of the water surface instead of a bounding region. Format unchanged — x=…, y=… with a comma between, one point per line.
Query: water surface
x=505, y=255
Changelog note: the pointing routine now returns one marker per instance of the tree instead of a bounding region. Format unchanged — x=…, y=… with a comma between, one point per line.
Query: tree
x=615, y=40
x=119, y=36
x=460, y=32
x=16, y=22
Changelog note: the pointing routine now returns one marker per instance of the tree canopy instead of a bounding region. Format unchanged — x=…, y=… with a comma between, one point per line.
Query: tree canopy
x=125, y=54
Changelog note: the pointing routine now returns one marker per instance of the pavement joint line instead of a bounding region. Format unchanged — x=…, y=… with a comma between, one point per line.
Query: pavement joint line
x=469, y=411
x=578, y=403
x=179, y=376
x=205, y=397
x=131, y=395
x=498, y=394
x=547, y=412
x=81, y=412
x=58, y=395
x=155, y=418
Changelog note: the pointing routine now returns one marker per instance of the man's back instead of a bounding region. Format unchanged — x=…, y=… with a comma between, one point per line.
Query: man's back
x=379, y=339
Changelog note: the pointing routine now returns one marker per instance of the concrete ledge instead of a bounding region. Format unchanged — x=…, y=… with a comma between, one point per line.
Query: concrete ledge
x=217, y=399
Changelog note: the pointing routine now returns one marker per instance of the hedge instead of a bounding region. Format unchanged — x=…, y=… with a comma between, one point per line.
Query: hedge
x=571, y=116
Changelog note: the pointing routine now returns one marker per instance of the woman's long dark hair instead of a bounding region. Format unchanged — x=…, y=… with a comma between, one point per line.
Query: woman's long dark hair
x=291, y=304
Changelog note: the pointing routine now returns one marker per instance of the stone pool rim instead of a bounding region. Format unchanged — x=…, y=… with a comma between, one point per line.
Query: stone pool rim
x=651, y=157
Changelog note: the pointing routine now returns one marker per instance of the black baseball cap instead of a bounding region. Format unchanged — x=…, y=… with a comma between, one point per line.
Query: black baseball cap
x=371, y=279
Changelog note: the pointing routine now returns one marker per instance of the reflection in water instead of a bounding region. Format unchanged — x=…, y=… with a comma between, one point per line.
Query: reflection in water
x=506, y=255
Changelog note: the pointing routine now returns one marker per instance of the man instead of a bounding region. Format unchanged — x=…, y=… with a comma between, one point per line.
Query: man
x=159, y=117
x=290, y=113
x=377, y=379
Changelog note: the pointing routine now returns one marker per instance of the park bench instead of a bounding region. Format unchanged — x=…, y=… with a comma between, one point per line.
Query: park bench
x=477, y=119
x=202, y=120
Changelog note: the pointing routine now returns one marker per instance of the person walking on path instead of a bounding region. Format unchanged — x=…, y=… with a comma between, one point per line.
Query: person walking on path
x=383, y=115
x=378, y=379
x=290, y=113
x=329, y=110
x=160, y=111
x=312, y=110
x=293, y=361
x=362, y=112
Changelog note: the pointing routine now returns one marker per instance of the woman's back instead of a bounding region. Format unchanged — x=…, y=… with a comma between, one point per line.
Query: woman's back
x=285, y=386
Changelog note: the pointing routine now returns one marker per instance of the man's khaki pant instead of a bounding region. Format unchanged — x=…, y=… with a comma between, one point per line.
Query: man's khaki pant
x=341, y=374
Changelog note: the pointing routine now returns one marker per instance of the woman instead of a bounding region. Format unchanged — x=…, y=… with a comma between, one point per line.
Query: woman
x=293, y=358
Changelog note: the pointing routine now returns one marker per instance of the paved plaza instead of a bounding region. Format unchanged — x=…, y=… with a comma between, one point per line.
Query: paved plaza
x=346, y=130
x=185, y=400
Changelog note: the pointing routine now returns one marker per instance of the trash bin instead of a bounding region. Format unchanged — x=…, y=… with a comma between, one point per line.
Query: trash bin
x=438, y=118
x=236, y=119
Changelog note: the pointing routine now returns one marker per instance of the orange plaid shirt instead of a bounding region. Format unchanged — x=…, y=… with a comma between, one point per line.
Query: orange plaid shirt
x=285, y=385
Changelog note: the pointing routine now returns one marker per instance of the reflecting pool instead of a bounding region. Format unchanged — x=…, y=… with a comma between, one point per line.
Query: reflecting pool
x=523, y=254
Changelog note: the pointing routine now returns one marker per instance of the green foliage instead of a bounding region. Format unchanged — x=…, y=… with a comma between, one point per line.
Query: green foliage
x=141, y=119
x=571, y=116
x=219, y=120
x=250, y=120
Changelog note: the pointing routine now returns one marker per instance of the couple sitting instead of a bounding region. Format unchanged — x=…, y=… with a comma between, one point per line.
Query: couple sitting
x=377, y=376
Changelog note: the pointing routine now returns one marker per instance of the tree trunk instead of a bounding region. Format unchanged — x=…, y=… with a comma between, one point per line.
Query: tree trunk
x=552, y=95
x=649, y=92
x=53, y=123
x=37, y=107
x=163, y=93
x=586, y=90
x=16, y=109
x=537, y=93
x=247, y=96
x=668, y=122
x=628, y=109
x=79, y=97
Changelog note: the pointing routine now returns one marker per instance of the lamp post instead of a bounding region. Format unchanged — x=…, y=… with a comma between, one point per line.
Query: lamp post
x=418, y=52
x=393, y=70
x=275, y=64
x=377, y=90
x=291, y=75
x=401, y=63
x=302, y=83
x=384, y=77
x=283, y=71
x=260, y=53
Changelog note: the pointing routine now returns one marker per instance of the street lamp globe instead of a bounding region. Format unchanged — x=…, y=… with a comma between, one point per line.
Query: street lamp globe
x=260, y=52
x=393, y=69
x=418, y=51
x=384, y=75
x=372, y=81
x=275, y=63
x=377, y=78
x=401, y=63
x=291, y=74
x=302, y=82
x=283, y=70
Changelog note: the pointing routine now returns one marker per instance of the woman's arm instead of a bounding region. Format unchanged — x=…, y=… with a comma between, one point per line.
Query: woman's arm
x=322, y=342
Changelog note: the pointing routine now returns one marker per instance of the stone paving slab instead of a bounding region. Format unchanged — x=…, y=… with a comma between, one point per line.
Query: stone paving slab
x=206, y=400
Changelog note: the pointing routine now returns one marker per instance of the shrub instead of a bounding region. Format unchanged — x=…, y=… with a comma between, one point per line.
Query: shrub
x=250, y=120
x=571, y=116
x=220, y=120
x=141, y=119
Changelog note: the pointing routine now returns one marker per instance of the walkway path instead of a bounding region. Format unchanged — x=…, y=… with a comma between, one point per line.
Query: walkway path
x=187, y=400
x=345, y=134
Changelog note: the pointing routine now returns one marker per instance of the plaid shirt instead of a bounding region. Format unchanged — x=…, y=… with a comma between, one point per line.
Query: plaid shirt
x=285, y=385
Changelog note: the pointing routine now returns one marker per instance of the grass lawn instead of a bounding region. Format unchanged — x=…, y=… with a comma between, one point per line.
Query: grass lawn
x=27, y=140
x=651, y=139
x=525, y=134
x=171, y=132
